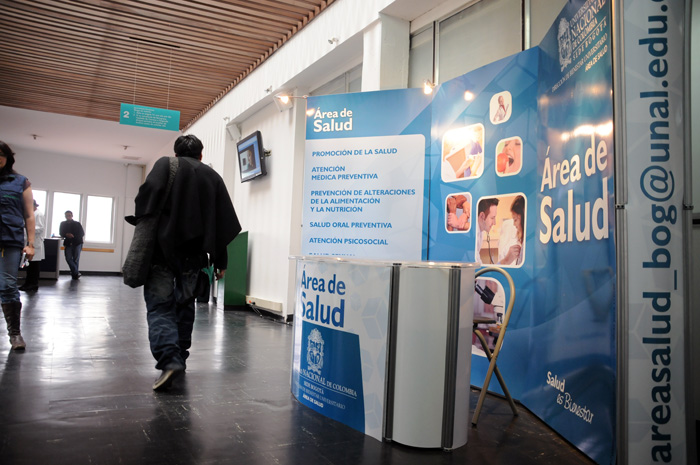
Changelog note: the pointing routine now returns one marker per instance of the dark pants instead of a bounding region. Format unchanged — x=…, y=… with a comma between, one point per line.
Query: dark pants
x=73, y=258
x=32, y=279
x=170, y=292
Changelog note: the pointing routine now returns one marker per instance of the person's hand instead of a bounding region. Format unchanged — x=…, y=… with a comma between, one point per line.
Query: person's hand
x=29, y=251
x=69, y=235
x=451, y=205
x=476, y=163
x=463, y=221
x=218, y=274
x=452, y=220
x=512, y=254
x=466, y=164
x=467, y=209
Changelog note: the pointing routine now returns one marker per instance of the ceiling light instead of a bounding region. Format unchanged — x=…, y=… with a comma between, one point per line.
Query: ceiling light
x=428, y=87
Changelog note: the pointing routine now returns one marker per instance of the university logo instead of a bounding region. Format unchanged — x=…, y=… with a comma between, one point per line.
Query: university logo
x=314, y=351
x=564, y=37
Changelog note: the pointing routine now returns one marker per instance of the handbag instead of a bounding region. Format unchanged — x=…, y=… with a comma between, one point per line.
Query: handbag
x=137, y=264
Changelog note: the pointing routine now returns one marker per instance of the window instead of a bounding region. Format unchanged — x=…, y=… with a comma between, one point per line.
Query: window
x=61, y=203
x=353, y=79
x=98, y=219
x=420, y=63
x=477, y=36
x=480, y=34
x=40, y=198
x=343, y=84
x=97, y=213
x=542, y=14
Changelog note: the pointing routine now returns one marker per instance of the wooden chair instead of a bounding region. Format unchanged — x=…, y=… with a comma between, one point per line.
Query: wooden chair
x=493, y=356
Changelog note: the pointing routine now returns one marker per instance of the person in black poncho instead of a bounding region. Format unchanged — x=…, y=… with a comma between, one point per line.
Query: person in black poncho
x=197, y=219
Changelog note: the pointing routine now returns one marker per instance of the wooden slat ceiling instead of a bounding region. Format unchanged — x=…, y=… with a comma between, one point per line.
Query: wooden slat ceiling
x=86, y=57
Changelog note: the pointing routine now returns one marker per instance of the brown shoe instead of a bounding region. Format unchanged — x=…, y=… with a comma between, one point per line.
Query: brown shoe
x=17, y=342
x=12, y=311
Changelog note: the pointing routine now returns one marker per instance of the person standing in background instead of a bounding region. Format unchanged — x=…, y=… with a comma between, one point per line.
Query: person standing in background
x=72, y=233
x=16, y=216
x=31, y=283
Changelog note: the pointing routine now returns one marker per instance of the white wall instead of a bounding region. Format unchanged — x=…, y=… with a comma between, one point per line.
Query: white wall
x=265, y=204
x=65, y=173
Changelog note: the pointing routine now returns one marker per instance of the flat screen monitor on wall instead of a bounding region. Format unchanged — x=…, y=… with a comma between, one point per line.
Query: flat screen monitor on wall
x=251, y=157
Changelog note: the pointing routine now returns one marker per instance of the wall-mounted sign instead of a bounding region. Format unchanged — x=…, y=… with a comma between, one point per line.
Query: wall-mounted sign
x=656, y=390
x=148, y=117
x=365, y=175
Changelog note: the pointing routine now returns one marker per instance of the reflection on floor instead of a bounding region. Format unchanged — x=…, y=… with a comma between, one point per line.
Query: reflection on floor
x=81, y=393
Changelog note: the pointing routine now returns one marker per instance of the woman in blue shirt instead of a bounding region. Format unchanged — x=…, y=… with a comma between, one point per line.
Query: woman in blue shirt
x=16, y=217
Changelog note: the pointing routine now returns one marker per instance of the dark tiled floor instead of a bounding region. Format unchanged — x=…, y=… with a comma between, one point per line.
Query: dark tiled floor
x=81, y=394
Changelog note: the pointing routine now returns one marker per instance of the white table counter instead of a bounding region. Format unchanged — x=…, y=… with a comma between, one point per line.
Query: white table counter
x=385, y=347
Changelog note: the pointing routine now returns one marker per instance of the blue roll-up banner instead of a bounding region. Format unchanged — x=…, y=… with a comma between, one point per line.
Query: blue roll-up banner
x=572, y=354
x=512, y=165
